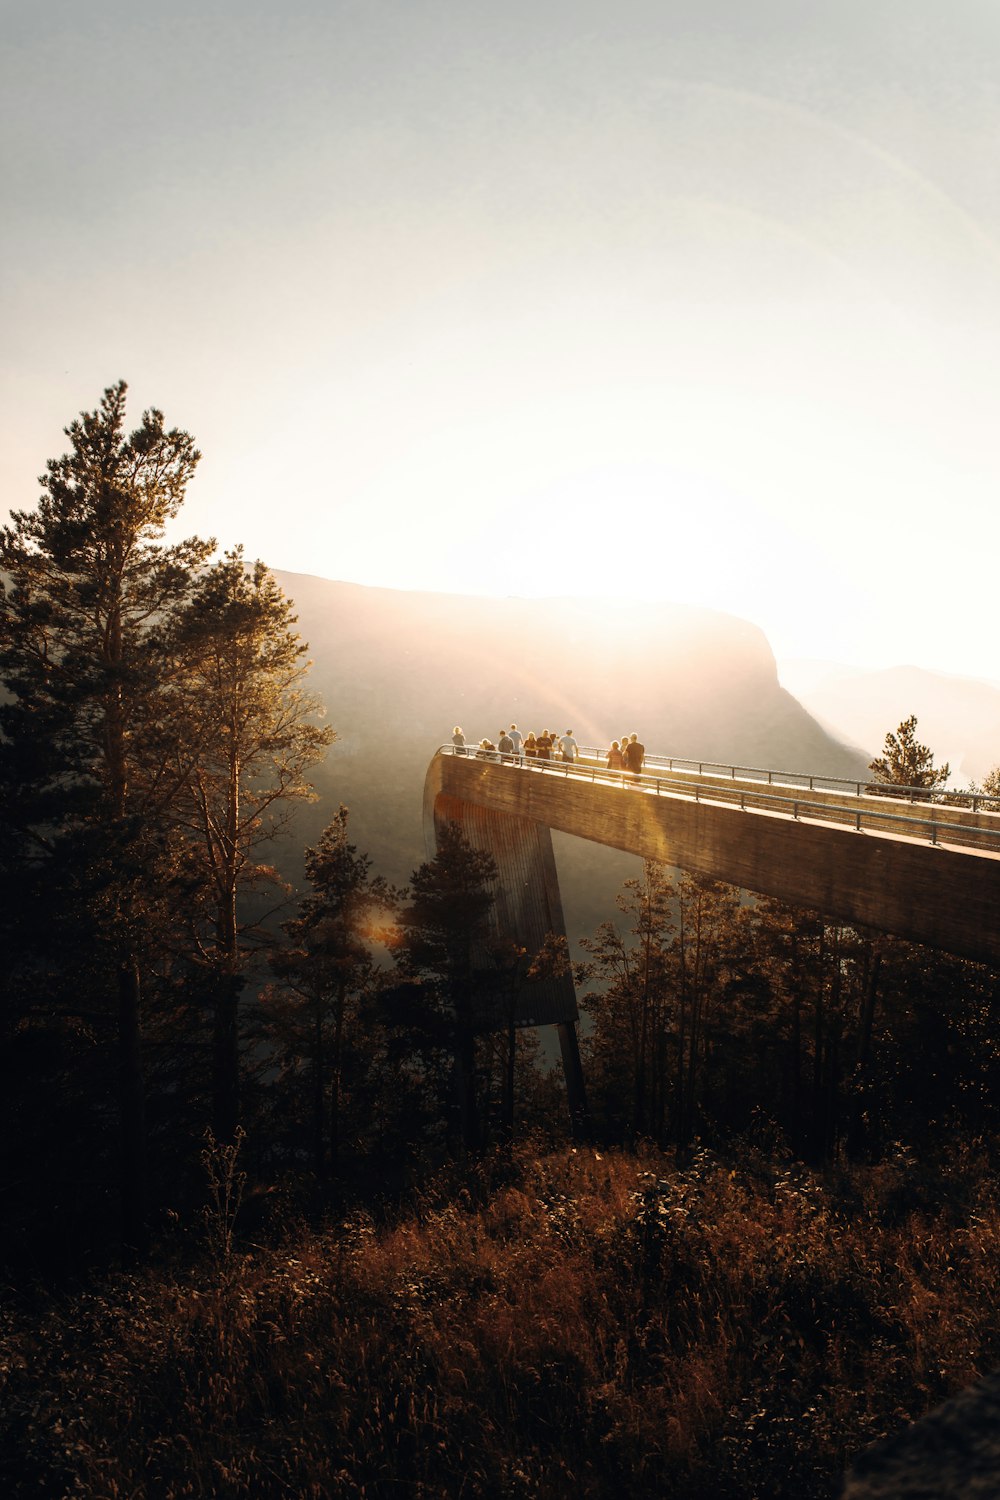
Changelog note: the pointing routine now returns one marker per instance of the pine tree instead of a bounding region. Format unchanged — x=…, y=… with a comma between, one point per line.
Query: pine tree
x=255, y=729
x=634, y=1017
x=906, y=763
x=326, y=967
x=659, y=1042
x=793, y=979
x=441, y=952
x=988, y=792
x=89, y=726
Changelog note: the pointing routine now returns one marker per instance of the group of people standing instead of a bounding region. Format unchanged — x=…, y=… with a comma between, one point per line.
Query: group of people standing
x=513, y=745
x=625, y=755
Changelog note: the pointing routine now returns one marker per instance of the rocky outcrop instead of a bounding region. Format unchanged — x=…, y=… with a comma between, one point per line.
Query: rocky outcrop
x=952, y=1454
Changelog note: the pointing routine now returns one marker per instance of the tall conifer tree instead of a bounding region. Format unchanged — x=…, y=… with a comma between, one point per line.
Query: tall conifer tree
x=326, y=966
x=86, y=731
x=256, y=730
x=443, y=934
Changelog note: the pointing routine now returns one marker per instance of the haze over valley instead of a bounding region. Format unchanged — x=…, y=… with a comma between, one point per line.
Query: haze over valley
x=959, y=716
x=398, y=669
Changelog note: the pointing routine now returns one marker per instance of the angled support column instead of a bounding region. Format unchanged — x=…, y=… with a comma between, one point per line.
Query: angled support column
x=528, y=908
x=576, y=1093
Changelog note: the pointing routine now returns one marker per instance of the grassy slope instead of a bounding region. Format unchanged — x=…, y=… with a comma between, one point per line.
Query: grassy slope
x=574, y=1323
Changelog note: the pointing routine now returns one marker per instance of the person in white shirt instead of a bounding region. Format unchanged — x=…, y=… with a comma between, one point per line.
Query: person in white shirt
x=568, y=746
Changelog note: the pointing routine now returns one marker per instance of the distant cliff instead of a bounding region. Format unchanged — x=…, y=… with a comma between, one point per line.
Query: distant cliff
x=398, y=670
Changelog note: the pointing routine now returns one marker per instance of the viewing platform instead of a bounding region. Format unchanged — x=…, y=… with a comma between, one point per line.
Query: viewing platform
x=904, y=862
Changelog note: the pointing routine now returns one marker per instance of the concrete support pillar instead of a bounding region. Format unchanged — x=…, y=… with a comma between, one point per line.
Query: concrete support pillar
x=528, y=908
x=573, y=1071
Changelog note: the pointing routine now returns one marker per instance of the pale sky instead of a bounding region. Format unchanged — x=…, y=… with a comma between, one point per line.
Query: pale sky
x=686, y=299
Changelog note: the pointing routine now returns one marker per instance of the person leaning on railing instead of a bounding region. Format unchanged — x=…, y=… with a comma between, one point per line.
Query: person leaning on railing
x=505, y=745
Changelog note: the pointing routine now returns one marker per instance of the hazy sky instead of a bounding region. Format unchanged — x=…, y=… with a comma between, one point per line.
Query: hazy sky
x=693, y=300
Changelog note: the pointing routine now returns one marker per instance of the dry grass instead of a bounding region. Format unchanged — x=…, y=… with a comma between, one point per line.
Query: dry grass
x=574, y=1324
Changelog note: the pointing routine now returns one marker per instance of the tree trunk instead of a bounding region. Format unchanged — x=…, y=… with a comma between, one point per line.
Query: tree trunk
x=797, y=1067
x=319, y=1088
x=680, y=1132
x=226, y=1052
x=507, y=1105
x=576, y=1092
x=860, y=1078
x=465, y=1081
x=694, y=1029
x=336, y=1074
x=868, y=1007
x=225, y=1059
x=131, y=1114
x=832, y=1141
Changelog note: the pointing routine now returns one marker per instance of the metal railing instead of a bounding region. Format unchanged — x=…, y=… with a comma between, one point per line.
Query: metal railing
x=867, y=816
x=973, y=801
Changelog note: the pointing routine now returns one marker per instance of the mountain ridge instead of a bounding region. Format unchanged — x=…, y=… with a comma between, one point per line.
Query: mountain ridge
x=397, y=670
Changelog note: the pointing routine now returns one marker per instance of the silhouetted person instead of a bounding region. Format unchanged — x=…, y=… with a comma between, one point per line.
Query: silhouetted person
x=544, y=745
x=634, y=753
x=530, y=747
x=505, y=745
x=515, y=735
x=615, y=761
x=458, y=740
